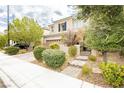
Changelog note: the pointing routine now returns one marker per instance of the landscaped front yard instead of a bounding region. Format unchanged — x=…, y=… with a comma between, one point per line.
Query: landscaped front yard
x=90, y=71
x=104, y=34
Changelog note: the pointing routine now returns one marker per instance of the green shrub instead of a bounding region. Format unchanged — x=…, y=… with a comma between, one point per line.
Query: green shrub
x=72, y=51
x=54, y=58
x=3, y=41
x=38, y=52
x=22, y=51
x=92, y=58
x=86, y=70
x=11, y=50
x=54, y=46
x=113, y=74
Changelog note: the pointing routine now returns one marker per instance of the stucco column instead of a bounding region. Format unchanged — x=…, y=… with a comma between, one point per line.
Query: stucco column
x=78, y=49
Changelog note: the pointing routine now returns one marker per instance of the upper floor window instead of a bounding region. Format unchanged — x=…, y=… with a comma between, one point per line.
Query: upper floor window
x=62, y=27
x=59, y=27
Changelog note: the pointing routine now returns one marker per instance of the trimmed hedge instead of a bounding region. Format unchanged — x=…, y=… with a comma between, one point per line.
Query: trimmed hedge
x=54, y=58
x=113, y=74
x=92, y=58
x=54, y=46
x=11, y=50
x=72, y=51
x=86, y=70
x=38, y=52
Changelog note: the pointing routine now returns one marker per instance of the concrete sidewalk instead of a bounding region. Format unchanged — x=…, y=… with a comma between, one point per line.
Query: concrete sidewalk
x=21, y=74
x=29, y=57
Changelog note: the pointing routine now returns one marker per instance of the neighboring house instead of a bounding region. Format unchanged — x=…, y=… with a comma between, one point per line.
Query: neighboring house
x=62, y=26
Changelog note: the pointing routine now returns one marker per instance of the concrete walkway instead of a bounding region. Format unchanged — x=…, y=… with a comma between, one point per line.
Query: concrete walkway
x=29, y=57
x=75, y=66
x=21, y=74
x=72, y=71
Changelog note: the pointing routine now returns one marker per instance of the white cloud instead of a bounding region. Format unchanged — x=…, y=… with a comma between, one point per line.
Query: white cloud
x=43, y=14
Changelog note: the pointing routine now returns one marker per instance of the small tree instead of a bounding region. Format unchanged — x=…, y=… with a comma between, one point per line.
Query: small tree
x=3, y=41
x=25, y=31
x=106, y=31
x=72, y=37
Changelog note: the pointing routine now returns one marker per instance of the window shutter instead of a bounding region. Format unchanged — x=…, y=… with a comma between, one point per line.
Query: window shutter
x=59, y=27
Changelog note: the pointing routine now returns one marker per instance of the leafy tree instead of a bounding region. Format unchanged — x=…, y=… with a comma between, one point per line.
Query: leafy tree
x=105, y=31
x=3, y=41
x=25, y=31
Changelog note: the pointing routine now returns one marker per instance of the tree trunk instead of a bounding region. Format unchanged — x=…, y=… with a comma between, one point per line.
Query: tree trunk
x=30, y=48
x=104, y=53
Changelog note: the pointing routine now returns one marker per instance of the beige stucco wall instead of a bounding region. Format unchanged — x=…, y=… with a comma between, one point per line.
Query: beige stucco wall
x=112, y=57
x=49, y=40
x=65, y=49
x=53, y=38
x=115, y=57
x=69, y=24
x=55, y=27
x=72, y=24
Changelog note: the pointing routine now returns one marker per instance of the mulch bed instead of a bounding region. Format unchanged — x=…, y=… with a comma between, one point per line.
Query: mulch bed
x=96, y=79
x=44, y=65
x=2, y=84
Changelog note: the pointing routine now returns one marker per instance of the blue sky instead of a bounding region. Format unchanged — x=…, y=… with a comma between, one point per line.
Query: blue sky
x=43, y=14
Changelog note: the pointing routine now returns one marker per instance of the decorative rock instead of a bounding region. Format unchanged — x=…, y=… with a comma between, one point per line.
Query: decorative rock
x=72, y=71
x=85, y=53
x=83, y=58
x=77, y=63
x=96, y=70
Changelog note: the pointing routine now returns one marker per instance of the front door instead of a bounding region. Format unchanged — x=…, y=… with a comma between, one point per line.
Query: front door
x=84, y=51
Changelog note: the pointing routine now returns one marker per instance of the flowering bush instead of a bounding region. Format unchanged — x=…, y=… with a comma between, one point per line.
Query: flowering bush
x=113, y=74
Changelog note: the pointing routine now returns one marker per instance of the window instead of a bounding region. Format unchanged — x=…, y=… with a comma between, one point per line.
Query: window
x=62, y=26
x=59, y=27
x=52, y=28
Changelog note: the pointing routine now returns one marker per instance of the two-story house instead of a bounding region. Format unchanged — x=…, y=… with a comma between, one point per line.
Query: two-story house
x=62, y=26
